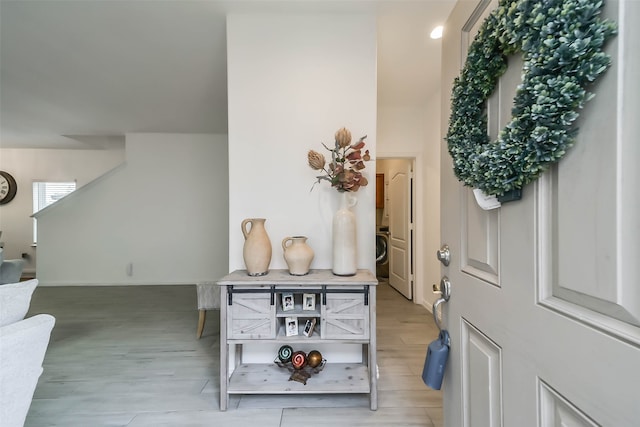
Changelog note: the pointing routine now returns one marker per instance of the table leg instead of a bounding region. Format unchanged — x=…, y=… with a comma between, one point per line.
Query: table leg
x=201, y=318
x=224, y=352
x=373, y=359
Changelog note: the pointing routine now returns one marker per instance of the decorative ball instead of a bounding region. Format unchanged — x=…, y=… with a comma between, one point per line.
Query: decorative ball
x=314, y=358
x=299, y=359
x=284, y=353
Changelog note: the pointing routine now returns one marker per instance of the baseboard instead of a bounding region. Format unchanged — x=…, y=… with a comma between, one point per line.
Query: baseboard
x=61, y=284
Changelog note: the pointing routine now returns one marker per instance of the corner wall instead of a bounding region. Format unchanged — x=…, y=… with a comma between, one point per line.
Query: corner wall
x=164, y=213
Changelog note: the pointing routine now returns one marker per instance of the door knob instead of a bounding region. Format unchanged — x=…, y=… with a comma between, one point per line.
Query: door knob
x=445, y=293
x=444, y=289
x=443, y=254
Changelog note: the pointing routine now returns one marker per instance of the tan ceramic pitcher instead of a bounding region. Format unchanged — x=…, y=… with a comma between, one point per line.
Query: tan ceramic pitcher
x=298, y=254
x=257, y=247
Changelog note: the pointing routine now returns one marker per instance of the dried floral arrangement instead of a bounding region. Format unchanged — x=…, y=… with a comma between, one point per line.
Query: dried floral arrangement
x=347, y=162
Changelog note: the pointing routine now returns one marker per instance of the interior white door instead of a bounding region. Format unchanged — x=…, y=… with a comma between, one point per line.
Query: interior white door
x=544, y=314
x=400, y=227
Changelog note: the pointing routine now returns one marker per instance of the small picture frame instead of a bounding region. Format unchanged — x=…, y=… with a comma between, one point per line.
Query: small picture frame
x=287, y=301
x=309, y=301
x=309, y=326
x=291, y=326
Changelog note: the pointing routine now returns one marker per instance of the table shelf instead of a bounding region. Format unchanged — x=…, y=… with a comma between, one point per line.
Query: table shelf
x=272, y=379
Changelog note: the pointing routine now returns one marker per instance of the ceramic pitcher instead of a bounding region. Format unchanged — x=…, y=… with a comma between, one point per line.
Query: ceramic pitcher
x=257, y=247
x=298, y=254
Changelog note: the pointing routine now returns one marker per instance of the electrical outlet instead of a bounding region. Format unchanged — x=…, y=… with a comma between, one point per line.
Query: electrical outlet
x=130, y=269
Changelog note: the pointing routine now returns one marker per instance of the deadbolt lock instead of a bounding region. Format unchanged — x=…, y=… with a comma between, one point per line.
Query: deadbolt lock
x=443, y=254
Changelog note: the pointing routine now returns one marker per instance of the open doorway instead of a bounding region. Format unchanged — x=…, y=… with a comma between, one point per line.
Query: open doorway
x=395, y=237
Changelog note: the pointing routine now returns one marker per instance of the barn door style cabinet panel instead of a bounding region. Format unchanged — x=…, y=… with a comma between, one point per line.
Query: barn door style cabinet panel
x=278, y=308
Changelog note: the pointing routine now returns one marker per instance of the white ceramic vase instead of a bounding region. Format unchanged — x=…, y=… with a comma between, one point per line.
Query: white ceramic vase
x=298, y=255
x=344, y=237
x=257, y=247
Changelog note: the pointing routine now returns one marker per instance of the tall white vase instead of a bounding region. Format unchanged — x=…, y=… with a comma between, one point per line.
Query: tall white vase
x=345, y=251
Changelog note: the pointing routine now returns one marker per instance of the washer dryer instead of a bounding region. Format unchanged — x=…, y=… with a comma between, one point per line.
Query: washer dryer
x=382, y=252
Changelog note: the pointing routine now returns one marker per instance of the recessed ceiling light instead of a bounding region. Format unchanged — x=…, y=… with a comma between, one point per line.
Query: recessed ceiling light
x=436, y=33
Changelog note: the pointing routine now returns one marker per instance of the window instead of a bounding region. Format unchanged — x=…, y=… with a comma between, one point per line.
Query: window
x=47, y=193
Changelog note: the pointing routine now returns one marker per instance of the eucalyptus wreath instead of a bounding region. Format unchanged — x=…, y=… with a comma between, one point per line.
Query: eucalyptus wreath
x=561, y=42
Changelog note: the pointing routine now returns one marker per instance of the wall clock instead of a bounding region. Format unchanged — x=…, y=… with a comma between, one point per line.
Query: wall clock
x=8, y=187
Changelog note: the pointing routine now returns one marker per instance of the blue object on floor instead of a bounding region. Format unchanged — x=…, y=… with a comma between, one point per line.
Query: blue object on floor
x=436, y=361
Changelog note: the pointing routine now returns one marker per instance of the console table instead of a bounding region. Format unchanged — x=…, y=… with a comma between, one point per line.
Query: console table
x=252, y=311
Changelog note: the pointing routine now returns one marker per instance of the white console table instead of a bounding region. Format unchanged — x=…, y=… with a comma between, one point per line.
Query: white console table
x=251, y=311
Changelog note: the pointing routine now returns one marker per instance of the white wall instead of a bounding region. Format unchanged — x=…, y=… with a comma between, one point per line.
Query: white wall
x=28, y=165
x=164, y=212
x=431, y=201
x=293, y=81
x=414, y=132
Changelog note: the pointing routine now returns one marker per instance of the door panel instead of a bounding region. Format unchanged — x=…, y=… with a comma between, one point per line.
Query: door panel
x=591, y=264
x=479, y=240
x=480, y=233
x=251, y=316
x=581, y=268
x=561, y=330
x=400, y=243
x=556, y=411
x=481, y=366
x=345, y=317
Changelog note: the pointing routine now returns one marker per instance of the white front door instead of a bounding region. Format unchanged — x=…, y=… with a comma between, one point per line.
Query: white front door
x=400, y=227
x=544, y=314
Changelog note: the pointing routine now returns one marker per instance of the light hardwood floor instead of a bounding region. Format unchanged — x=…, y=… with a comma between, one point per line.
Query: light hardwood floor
x=128, y=356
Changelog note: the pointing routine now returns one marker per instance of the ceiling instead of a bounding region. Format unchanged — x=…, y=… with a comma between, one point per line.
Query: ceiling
x=82, y=73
